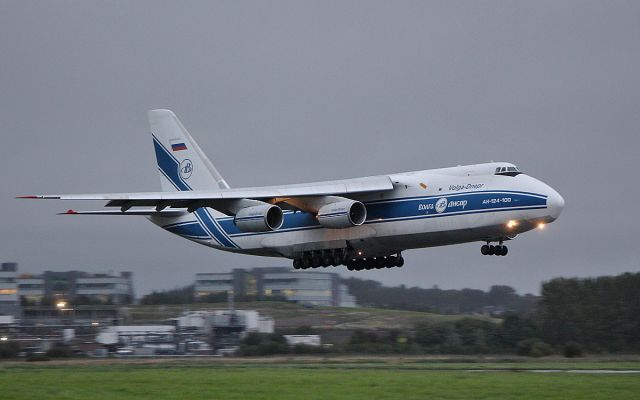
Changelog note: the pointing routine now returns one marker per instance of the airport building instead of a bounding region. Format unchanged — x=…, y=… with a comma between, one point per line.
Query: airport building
x=53, y=294
x=75, y=287
x=9, y=304
x=313, y=288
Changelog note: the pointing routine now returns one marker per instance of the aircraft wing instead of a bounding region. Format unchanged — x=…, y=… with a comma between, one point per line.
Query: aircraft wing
x=220, y=199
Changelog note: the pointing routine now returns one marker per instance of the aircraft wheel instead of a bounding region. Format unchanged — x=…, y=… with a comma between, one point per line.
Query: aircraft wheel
x=306, y=263
x=484, y=249
x=505, y=251
x=296, y=263
x=400, y=262
x=335, y=260
x=492, y=250
x=327, y=260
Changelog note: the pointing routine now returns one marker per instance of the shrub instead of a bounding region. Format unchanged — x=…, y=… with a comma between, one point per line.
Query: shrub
x=540, y=349
x=9, y=349
x=59, y=352
x=430, y=334
x=572, y=349
x=261, y=344
x=307, y=349
x=533, y=347
x=38, y=357
x=253, y=339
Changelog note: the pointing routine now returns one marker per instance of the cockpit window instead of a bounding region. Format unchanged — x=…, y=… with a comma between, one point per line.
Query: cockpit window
x=507, y=171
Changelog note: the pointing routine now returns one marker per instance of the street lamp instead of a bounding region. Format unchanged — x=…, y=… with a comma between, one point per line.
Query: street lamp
x=61, y=305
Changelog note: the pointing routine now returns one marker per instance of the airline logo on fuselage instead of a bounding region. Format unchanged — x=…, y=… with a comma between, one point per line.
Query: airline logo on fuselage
x=441, y=205
x=458, y=203
x=468, y=186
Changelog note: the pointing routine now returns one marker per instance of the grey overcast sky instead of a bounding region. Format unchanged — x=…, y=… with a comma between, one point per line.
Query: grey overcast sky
x=283, y=92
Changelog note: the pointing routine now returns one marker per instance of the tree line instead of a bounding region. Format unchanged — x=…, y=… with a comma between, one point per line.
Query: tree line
x=571, y=316
x=601, y=314
x=373, y=294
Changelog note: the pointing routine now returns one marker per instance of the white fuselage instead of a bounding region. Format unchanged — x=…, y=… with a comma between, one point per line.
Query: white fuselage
x=426, y=208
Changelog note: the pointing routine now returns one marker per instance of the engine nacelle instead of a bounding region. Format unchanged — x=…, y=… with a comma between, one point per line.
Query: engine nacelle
x=342, y=214
x=259, y=218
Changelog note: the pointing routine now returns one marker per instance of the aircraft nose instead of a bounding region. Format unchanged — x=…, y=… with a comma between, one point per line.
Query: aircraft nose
x=555, y=204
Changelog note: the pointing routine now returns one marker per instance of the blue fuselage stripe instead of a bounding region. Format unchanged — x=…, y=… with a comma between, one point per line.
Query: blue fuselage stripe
x=410, y=208
x=191, y=229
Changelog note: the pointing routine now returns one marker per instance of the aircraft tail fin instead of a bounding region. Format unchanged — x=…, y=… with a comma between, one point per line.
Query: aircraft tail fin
x=182, y=164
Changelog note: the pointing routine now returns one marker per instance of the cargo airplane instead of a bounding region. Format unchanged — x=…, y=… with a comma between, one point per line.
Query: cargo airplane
x=363, y=223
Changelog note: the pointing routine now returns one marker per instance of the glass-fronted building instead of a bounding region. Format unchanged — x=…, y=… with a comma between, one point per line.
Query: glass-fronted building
x=9, y=303
x=73, y=287
x=314, y=288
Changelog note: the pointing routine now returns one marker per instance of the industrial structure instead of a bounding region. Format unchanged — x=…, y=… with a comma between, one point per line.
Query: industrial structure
x=193, y=332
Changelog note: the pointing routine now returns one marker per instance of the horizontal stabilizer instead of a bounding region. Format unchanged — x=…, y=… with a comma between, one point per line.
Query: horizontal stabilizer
x=163, y=213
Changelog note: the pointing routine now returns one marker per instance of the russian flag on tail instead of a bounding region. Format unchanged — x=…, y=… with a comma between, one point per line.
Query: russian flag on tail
x=177, y=145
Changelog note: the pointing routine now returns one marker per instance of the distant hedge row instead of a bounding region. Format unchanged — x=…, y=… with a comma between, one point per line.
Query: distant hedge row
x=452, y=301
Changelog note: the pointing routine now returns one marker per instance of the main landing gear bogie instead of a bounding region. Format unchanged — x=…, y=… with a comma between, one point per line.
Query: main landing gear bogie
x=326, y=258
x=491, y=250
x=358, y=264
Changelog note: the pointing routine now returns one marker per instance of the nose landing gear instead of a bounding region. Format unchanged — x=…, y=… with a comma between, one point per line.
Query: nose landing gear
x=490, y=250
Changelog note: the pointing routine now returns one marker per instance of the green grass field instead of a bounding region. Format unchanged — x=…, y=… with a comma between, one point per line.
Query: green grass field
x=290, y=379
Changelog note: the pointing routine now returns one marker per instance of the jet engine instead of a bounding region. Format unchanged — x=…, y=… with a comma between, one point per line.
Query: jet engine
x=342, y=214
x=262, y=218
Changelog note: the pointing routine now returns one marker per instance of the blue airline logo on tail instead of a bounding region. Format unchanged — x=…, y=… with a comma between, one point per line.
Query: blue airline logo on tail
x=186, y=168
